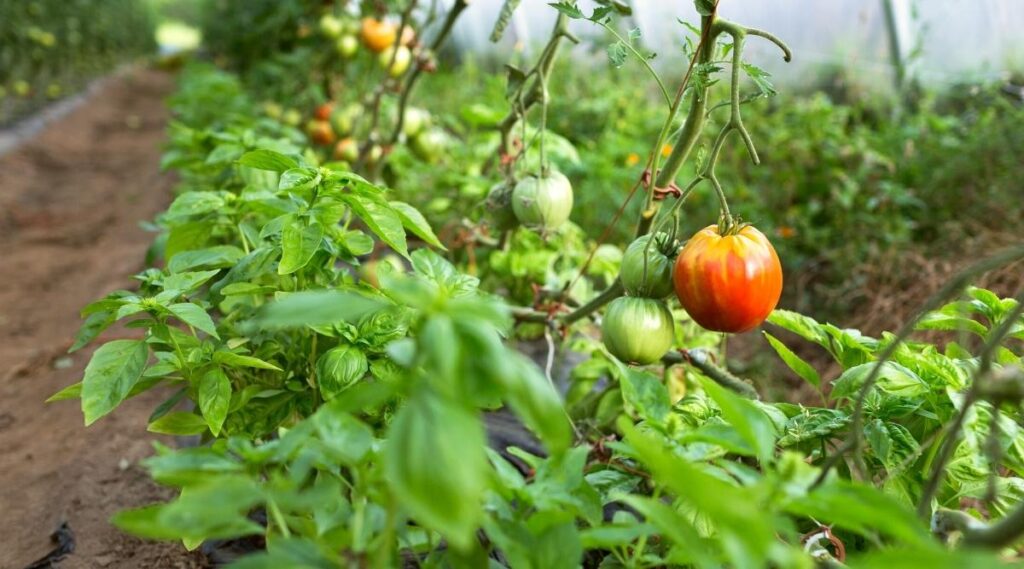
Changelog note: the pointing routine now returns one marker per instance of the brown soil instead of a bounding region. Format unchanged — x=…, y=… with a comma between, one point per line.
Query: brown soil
x=71, y=201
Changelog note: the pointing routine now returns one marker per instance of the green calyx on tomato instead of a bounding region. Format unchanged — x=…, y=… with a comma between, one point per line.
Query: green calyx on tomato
x=543, y=202
x=647, y=269
x=638, y=330
x=728, y=283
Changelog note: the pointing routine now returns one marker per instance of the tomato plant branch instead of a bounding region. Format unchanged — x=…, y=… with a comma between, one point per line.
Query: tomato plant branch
x=378, y=94
x=609, y=294
x=529, y=96
x=421, y=65
x=644, y=60
x=701, y=359
x=977, y=533
x=952, y=287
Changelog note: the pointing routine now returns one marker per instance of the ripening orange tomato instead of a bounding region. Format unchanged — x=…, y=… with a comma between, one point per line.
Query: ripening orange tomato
x=323, y=112
x=728, y=283
x=320, y=132
x=378, y=35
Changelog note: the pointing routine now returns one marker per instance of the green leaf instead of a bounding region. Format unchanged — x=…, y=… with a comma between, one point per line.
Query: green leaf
x=931, y=556
x=195, y=203
x=232, y=359
x=93, y=326
x=643, y=392
x=537, y=403
x=348, y=438
x=803, y=326
x=73, y=391
x=746, y=417
x=748, y=531
x=448, y=495
x=187, y=237
x=861, y=508
x=893, y=378
x=214, y=398
x=705, y=7
x=414, y=221
x=568, y=9
x=262, y=159
x=195, y=316
x=690, y=547
x=760, y=77
x=299, y=242
x=339, y=368
x=617, y=54
x=184, y=283
x=112, y=372
x=317, y=308
x=214, y=510
x=216, y=257
x=383, y=221
x=298, y=179
x=794, y=362
x=178, y=423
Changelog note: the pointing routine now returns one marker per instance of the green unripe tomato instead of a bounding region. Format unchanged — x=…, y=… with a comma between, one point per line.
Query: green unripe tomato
x=499, y=206
x=272, y=110
x=430, y=144
x=637, y=330
x=414, y=121
x=402, y=59
x=330, y=26
x=343, y=120
x=347, y=46
x=22, y=88
x=657, y=282
x=543, y=202
x=292, y=117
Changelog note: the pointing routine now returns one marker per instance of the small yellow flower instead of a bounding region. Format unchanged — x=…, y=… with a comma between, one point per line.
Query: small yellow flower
x=666, y=150
x=633, y=159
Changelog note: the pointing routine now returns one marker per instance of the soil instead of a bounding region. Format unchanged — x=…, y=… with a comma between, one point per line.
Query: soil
x=71, y=200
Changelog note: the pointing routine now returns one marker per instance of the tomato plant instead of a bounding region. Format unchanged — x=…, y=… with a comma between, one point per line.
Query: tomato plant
x=362, y=380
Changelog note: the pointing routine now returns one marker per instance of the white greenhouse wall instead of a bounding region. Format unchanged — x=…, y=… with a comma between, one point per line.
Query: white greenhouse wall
x=959, y=39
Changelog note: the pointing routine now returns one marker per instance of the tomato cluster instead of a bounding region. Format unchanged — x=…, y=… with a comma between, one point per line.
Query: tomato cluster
x=727, y=281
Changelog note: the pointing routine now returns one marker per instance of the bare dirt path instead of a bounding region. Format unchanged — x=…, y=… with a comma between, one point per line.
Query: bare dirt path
x=71, y=200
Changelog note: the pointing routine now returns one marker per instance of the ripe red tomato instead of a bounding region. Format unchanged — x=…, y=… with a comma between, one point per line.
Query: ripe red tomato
x=323, y=112
x=728, y=283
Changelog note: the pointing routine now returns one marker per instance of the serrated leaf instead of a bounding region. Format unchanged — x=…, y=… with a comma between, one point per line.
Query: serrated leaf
x=568, y=9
